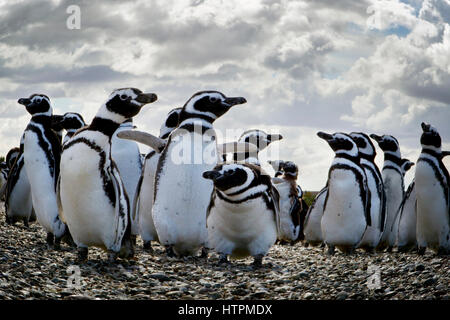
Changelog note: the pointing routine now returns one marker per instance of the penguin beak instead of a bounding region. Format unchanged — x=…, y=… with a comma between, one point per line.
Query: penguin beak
x=376, y=137
x=234, y=101
x=146, y=98
x=24, y=101
x=425, y=127
x=274, y=137
x=211, y=175
x=325, y=136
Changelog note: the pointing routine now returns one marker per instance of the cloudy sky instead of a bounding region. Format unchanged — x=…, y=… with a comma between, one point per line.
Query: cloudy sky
x=377, y=66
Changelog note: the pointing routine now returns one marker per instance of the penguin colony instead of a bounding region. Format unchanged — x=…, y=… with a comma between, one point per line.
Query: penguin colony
x=92, y=187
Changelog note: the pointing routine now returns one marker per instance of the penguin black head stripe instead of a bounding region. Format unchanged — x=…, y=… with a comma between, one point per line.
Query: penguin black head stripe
x=387, y=143
x=209, y=105
x=127, y=102
x=171, y=123
x=341, y=143
x=11, y=156
x=72, y=121
x=37, y=104
x=365, y=145
x=259, y=138
x=430, y=137
x=406, y=165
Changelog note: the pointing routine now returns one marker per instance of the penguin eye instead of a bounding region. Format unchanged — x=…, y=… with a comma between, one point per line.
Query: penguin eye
x=38, y=100
x=123, y=97
x=212, y=99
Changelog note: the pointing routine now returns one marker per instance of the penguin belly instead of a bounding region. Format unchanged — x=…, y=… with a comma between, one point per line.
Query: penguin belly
x=343, y=223
x=313, y=229
x=147, y=228
x=240, y=230
x=127, y=157
x=42, y=186
x=87, y=210
x=287, y=227
x=19, y=200
x=433, y=229
x=393, y=186
x=182, y=194
x=408, y=223
x=372, y=235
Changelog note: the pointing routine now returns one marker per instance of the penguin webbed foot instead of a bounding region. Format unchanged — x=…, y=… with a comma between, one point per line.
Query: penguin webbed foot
x=204, y=253
x=223, y=259
x=148, y=247
x=25, y=223
x=331, y=250
x=257, y=261
x=82, y=254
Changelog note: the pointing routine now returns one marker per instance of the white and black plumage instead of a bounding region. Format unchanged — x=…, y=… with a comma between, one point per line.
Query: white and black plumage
x=4, y=171
x=312, y=225
x=127, y=157
x=12, y=156
x=406, y=233
x=42, y=152
x=433, y=195
x=71, y=122
x=393, y=185
x=377, y=201
x=258, y=138
x=242, y=214
x=93, y=200
x=181, y=194
x=143, y=202
x=346, y=212
x=290, y=202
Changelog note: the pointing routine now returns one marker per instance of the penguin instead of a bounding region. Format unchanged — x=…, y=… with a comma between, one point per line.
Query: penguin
x=42, y=152
x=290, y=203
x=406, y=238
x=433, y=195
x=4, y=171
x=57, y=127
x=242, y=216
x=346, y=213
x=143, y=201
x=258, y=138
x=12, y=156
x=71, y=122
x=312, y=224
x=127, y=157
x=393, y=185
x=377, y=201
x=92, y=196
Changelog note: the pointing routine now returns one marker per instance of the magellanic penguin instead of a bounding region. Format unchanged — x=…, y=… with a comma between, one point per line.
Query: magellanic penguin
x=143, y=201
x=406, y=238
x=4, y=171
x=377, y=201
x=127, y=157
x=433, y=195
x=93, y=200
x=393, y=185
x=181, y=194
x=258, y=138
x=12, y=156
x=71, y=122
x=42, y=152
x=346, y=212
x=290, y=203
x=312, y=224
x=242, y=216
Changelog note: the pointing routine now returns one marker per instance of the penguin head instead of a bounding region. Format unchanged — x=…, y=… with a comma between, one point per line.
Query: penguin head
x=430, y=138
x=406, y=165
x=290, y=169
x=209, y=105
x=277, y=166
x=341, y=143
x=259, y=138
x=364, y=144
x=233, y=177
x=37, y=104
x=56, y=123
x=11, y=156
x=125, y=103
x=171, y=123
x=387, y=143
x=72, y=121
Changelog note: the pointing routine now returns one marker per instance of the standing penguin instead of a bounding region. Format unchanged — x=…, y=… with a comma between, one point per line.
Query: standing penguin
x=127, y=157
x=4, y=171
x=406, y=238
x=433, y=195
x=393, y=185
x=346, y=212
x=312, y=224
x=42, y=152
x=71, y=122
x=290, y=204
x=377, y=202
x=93, y=200
x=12, y=156
x=143, y=201
x=242, y=214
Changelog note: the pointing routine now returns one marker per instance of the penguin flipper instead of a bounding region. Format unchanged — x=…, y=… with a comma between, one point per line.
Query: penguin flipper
x=58, y=200
x=135, y=204
x=294, y=213
x=275, y=196
x=148, y=139
x=122, y=207
x=313, y=204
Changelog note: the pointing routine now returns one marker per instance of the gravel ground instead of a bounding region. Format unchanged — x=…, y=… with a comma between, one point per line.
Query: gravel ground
x=28, y=270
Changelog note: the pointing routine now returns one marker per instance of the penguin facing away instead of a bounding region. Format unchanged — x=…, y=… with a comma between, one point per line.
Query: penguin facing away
x=290, y=205
x=406, y=233
x=42, y=151
x=242, y=214
x=345, y=215
x=71, y=122
x=393, y=185
x=377, y=201
x=143, y=201
x=433, y=195
x=93, y=200
x=190, y=150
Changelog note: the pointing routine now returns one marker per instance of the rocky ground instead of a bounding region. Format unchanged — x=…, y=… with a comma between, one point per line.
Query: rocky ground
x=28, y=270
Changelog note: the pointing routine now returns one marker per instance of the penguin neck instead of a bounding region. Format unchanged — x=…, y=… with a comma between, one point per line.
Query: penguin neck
x=196, y=123
x=349, y=156
x=394, y=158
x=42, y=118
x=370, y=158
x=433, y=151
x=105, y=126
x=186, y=116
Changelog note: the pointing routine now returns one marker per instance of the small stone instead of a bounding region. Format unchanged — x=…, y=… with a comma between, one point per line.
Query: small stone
x=160, y=276
x=342, y=295
x=420, y=267
x=308, y=295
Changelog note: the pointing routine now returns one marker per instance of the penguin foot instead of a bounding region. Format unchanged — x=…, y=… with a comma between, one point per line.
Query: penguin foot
x=170, y=253
x=204, y=253
x=57, y=244
x=50, y=240
x=331, y=250
x=112, y=257
x=389, y=249
x=148, y=246
x=127, y=249
x=82, y=254
x=223, y=258
x=421, y=250
x=442, y=251
x=25, y=223
x=257, y=261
